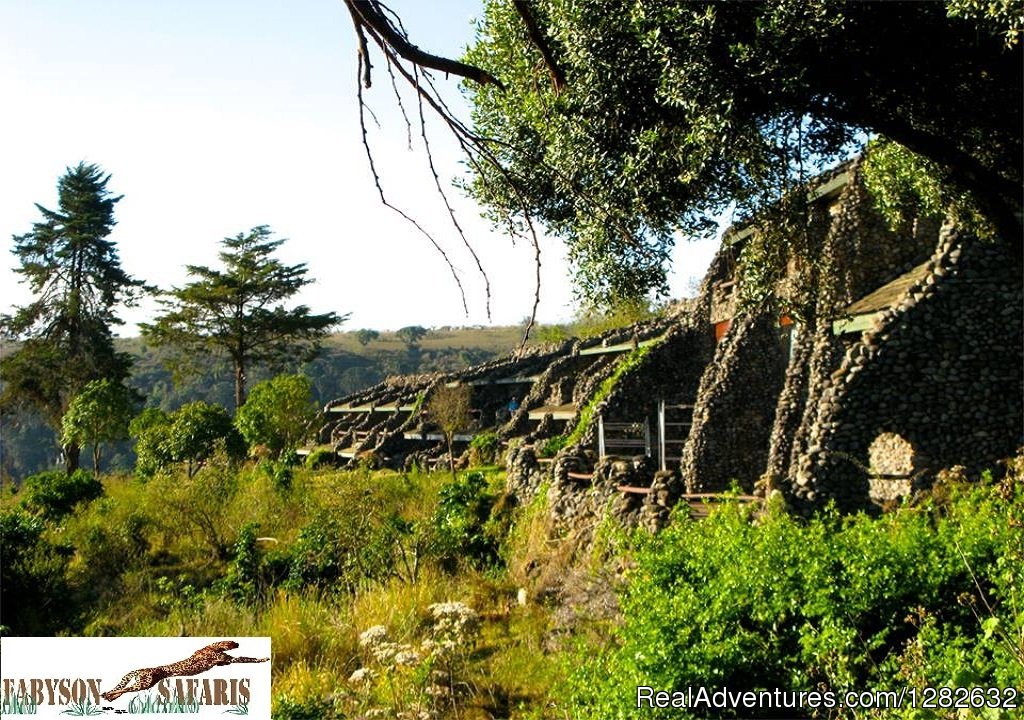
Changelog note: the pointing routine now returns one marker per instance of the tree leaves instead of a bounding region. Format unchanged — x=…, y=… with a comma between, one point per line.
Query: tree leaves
x=239, y=312
x=76, y=275
x=673, y=110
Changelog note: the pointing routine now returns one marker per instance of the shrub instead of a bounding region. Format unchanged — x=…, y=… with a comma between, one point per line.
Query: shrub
x=190, y=435
x=321, y=457
x=242, y=576
x=55, y=493
x=833, y=603
x=280, y=473
x=149, y=430
x=549, y=447
x=287, y=708
x=483, y=449
x=33, y=591
x=460, y=520
x=279, y=413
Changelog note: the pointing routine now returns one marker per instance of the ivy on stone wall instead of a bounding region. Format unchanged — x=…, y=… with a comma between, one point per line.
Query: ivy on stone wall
x=629, y=363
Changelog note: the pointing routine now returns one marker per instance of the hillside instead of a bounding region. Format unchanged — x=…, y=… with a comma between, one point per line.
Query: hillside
x=345, y=366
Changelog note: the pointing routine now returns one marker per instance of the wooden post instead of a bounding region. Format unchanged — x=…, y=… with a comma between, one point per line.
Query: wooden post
x=663, y=463
x=600, y=436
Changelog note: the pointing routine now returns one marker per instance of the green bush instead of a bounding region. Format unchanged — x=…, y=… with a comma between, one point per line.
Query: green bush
x=483, y=449
x=190, y=436
x=149, y=430
x=242, y=582
x=549, y=447
x=280, y=473
x=319, y=554
x=321, y=457
x=55, y=493
x=460, y=522
x=286, y=708
x=916, y=596
x=33, y=591
x=278, y=414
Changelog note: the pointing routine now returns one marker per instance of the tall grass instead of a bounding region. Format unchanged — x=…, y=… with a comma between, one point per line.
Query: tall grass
x=153, y=558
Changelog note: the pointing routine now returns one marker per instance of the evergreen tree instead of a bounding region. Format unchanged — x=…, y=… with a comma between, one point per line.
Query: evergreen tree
x=74, y=271
x=239, y=313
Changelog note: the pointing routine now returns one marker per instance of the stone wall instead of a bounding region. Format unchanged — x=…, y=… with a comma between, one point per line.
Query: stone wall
x=942, y=371
x=735, y=408
x=851, y=418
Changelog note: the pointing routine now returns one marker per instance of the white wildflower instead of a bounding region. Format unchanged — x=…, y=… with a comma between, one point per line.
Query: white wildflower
x=417, y=714
x=453, y=623
x=436, y=690
x=408, y=656
x=362, y=675
x=373, y=636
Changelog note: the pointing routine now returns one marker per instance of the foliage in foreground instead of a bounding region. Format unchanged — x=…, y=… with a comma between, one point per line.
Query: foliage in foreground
x=929, y=595
x=926, y=595
x=230, y=551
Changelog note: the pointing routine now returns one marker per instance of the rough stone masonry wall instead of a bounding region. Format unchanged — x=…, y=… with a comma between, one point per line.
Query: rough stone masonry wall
x=857, y=253
x=735, y=406
x=938, y=384
x=860, y=251
x=943, y=371
x=671, y=370
x=753, y=400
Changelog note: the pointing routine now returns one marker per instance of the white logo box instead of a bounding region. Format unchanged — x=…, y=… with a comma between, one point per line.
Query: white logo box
x=58, y=675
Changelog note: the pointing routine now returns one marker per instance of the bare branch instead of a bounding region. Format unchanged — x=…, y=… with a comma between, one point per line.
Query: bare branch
x=448, y=205
x=371, y=19
x=369, y=14
x=398, y=99
x=364, y=55
x=399, y=211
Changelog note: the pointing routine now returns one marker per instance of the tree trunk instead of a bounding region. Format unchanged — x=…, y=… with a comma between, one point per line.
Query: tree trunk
x=451, y=454
x=239, y=384
x=96, y=459
x=72, y=454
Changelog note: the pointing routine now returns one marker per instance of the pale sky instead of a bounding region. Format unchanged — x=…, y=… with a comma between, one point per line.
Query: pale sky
x=214, y=117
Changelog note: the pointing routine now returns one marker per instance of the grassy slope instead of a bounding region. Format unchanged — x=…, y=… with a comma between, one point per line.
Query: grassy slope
x=168, y=557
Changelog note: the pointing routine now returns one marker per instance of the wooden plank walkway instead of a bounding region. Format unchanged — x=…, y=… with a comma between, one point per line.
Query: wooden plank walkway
x=700, y=504
x=557, y=412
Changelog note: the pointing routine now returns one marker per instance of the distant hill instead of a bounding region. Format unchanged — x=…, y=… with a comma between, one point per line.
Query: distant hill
x=345, y=366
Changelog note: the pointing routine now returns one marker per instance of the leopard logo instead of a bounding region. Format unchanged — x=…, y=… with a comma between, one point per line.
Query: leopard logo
x=199, y=662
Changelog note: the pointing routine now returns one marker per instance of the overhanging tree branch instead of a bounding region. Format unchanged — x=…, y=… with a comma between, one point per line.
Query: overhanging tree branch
x=368, y=13
x=541, y=43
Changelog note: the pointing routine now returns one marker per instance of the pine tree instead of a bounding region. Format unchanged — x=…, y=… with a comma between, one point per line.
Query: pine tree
x=238, y=312
x=74, y=271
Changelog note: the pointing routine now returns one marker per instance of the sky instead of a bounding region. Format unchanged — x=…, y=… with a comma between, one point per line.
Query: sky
x=215, y=117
